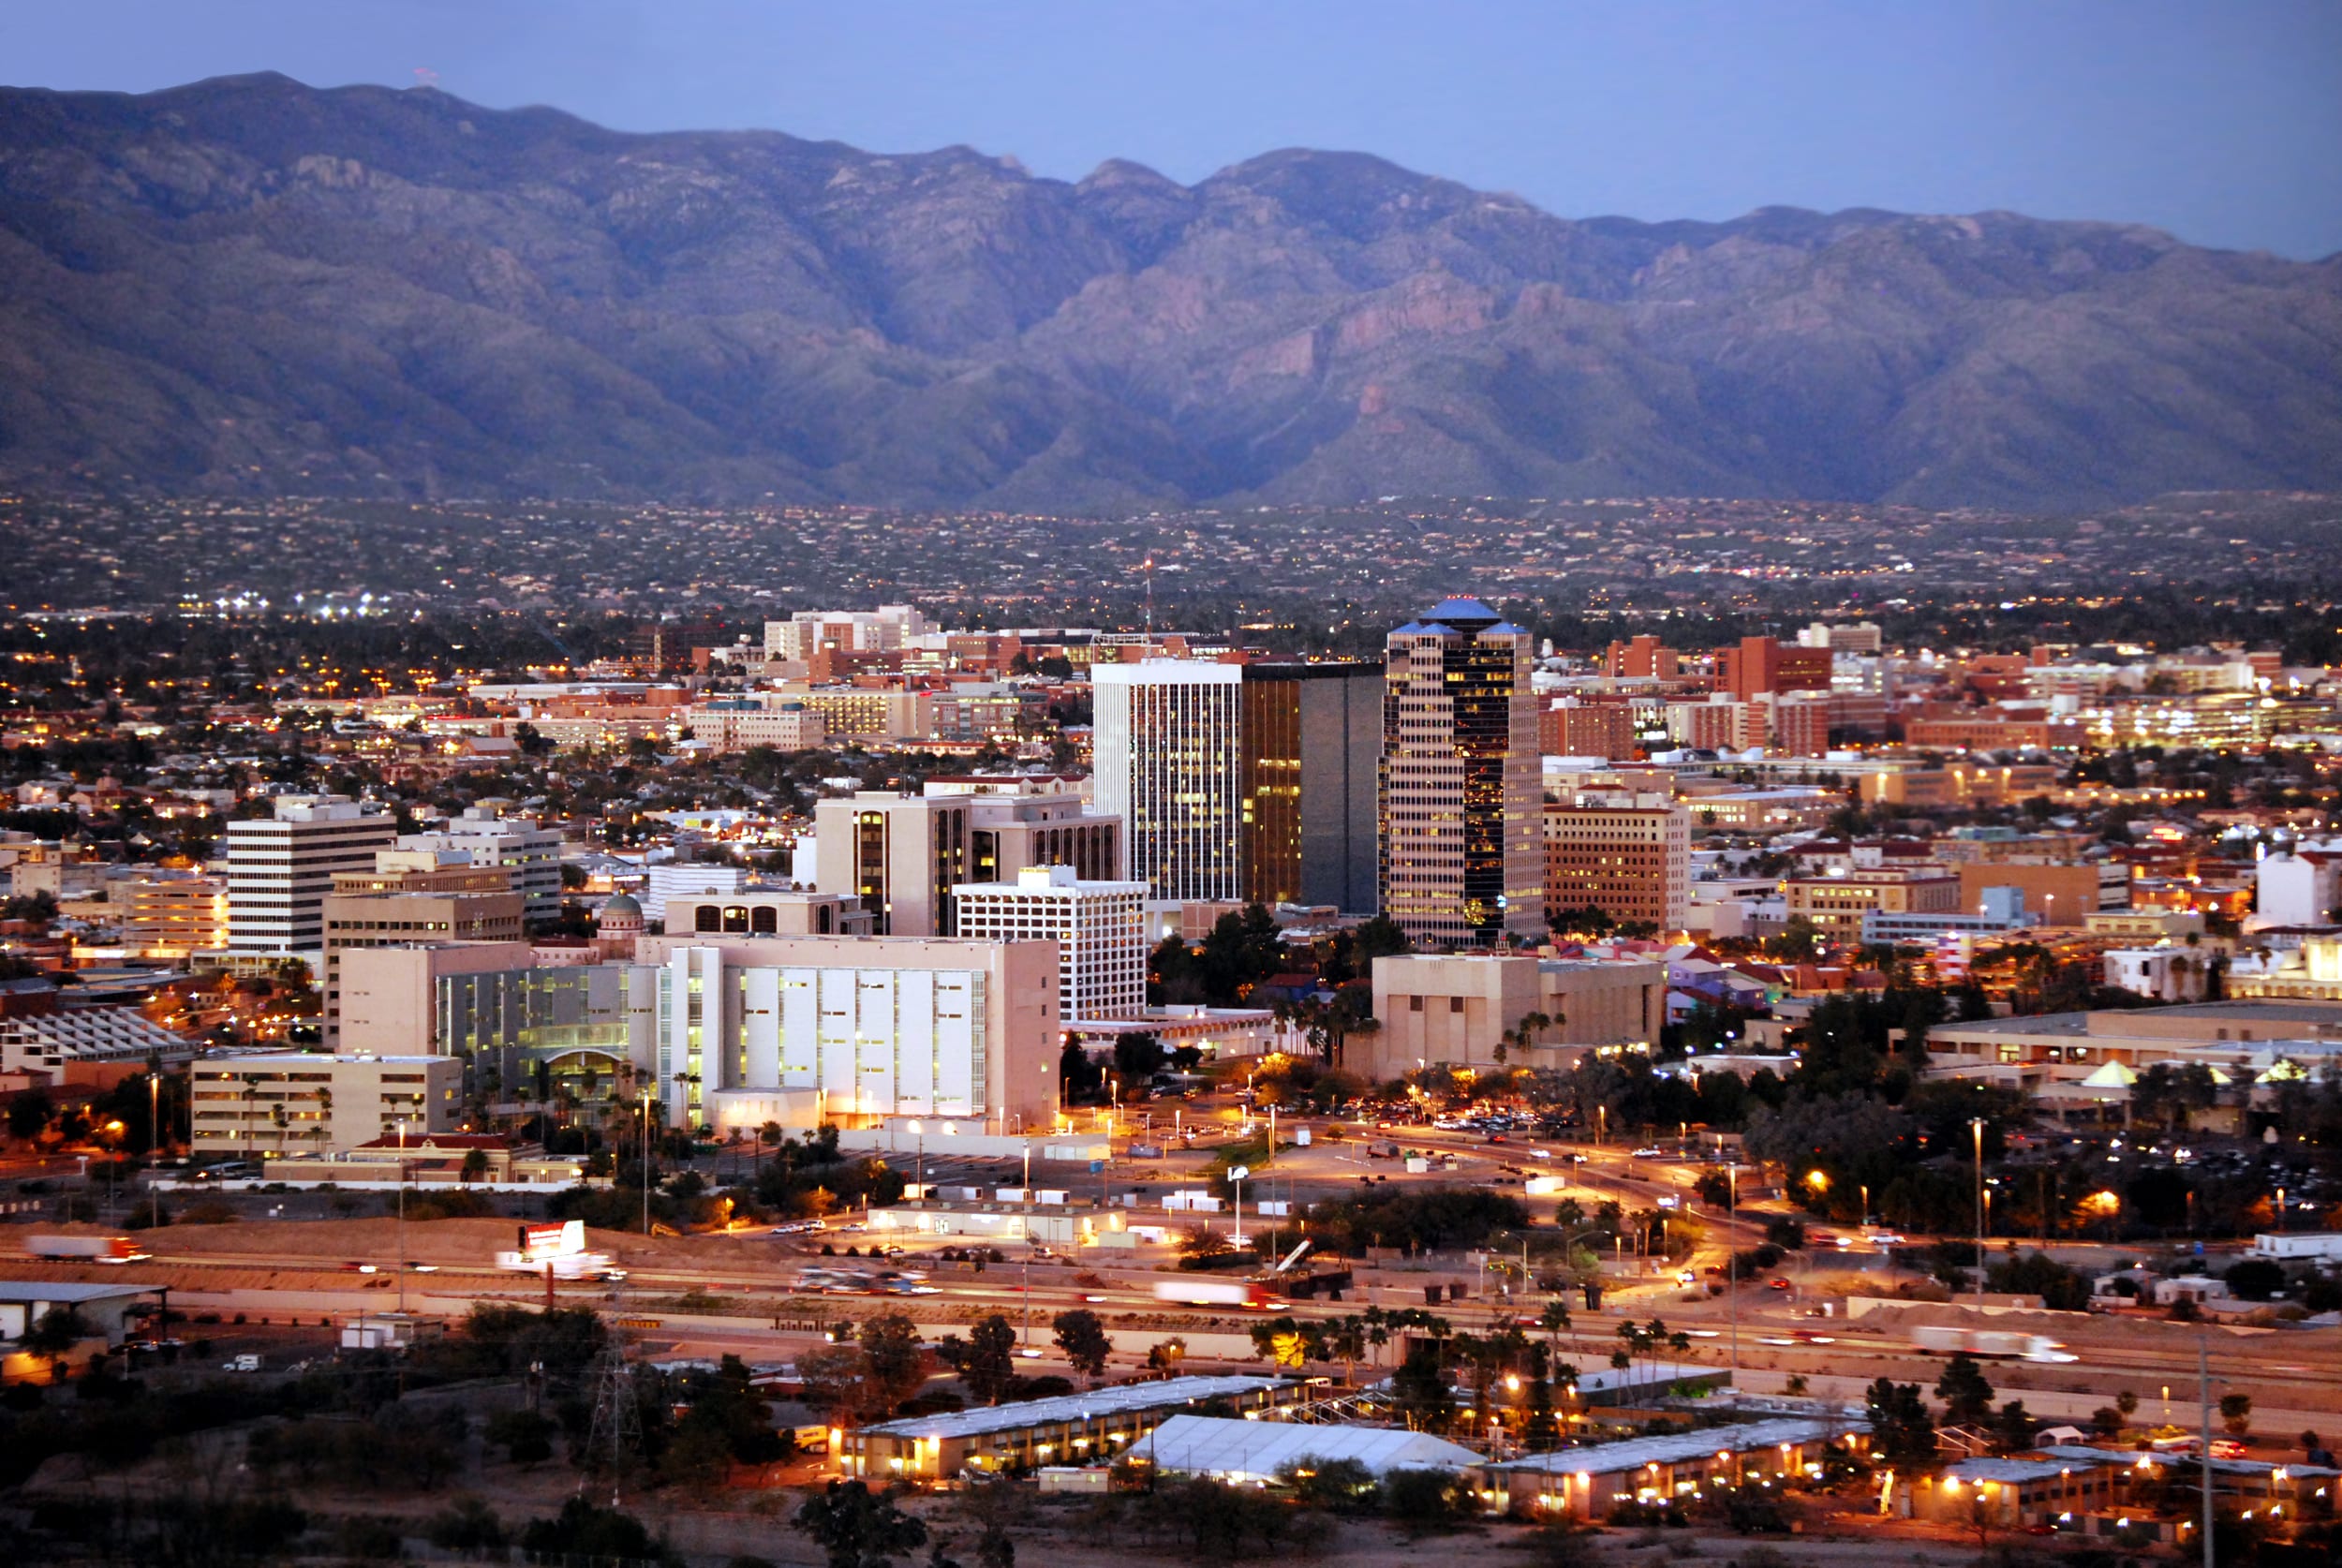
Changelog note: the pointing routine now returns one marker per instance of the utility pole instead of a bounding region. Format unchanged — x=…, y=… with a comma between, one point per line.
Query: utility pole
x=2204, y=1386
x=155, y=1140
x=647, y=1161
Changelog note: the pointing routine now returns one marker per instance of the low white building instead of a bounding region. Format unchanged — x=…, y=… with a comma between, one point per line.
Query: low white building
x=2169, y=974
x=1099, y=928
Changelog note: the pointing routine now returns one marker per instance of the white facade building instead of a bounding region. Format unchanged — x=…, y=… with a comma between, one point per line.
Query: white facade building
x=1100, y=930
x=281, y=867
x=671, y=879
x=516, y=844
x=851, y=630
x=874, y=1027
x=2298, y=886
x=1168, y=742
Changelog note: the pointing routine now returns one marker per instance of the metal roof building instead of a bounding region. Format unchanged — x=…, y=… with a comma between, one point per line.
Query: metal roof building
x=1070, y=1428
x=1256, y=1450
x=1587, y=1482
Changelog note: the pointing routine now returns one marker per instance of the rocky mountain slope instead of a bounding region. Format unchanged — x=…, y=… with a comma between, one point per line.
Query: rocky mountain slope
x=251, y=286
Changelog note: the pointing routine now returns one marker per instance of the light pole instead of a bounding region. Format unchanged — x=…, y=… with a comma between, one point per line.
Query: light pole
x=1235, y=1179
x=1732, y=1266
x=1025, y=1341
x=155, y=1139
x=402, y=1214
x=646, y=1159
x=1976, y=1126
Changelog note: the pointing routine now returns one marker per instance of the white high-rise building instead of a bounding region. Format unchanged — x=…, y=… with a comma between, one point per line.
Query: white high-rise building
x=1167, y=736
x=281, y=867
x=515, y=844
x=1100, y=930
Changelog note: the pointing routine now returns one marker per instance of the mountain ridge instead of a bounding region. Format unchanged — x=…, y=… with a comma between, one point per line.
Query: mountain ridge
x=249, y=285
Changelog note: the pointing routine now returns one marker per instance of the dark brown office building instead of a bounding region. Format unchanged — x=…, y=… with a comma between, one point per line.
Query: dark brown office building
x=1312, y=737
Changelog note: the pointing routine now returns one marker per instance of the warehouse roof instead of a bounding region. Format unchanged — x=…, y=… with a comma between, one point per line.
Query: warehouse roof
x=1070, y=1407
x=1213, y=1446
x=1746, y=1437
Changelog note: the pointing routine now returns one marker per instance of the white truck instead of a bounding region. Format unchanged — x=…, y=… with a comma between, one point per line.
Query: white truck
x=1201, y=1291
x=1949, y=1340
x=93, y=1249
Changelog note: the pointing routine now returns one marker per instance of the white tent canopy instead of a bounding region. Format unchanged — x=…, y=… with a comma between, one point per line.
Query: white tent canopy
x=1213, y=1446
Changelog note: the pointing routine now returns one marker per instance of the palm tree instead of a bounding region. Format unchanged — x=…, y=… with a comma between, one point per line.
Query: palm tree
x=325, y=1115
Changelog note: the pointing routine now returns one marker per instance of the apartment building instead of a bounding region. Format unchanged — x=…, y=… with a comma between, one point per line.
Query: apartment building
x=1462, y=785
x=281, y=868
x=1584, y=727
x=1100, y=930
x=370, y=920
x=1627, y=854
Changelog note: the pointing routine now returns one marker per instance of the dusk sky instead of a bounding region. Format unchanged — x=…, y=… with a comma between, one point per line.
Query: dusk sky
x=2219, y=122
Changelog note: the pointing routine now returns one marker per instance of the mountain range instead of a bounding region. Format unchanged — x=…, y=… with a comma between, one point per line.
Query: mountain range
x=249, y=285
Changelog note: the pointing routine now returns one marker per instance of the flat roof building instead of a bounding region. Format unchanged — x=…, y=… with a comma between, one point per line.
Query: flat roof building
x=1071, y=1428
x=1100, y=930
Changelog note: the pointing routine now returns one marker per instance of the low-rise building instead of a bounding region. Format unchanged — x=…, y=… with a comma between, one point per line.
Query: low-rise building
x=1837, y=906
x=1459, y=1007
x=1592, y=1482
x=273, y=1104
x=1075, y=1429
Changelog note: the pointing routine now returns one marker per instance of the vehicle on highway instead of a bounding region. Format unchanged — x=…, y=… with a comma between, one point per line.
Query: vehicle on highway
x=1778, y=1285
x=245, y=1363
x=88, y=1249
x=1219, y=1293
x=796, y=1227
x=1648, y=1152
x=1953, y=1339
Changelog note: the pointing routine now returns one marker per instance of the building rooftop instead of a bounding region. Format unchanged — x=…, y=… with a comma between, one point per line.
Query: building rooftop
x=1216, y=1445
x=1071, y=1407
x=1675, y=1447
x=29, y=1291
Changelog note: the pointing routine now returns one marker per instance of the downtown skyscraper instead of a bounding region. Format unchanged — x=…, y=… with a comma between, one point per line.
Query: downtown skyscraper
x=1167, y=741
x=1462, y=797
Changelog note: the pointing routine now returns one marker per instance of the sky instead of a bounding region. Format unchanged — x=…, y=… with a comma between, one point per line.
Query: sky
x=2218, y=120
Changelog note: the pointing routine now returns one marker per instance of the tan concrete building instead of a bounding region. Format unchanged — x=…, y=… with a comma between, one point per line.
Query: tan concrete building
x=1628, y=856
x=271, y=1104
x=2064, y=894
x=370, y=920
x=1456, y=1009
x=388, y=994
x=1836, y=906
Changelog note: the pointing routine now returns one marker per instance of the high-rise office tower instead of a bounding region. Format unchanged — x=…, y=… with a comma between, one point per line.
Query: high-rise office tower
x=280, y=868
x=1461, y=794
x=1312, y=736
x=1167, y=744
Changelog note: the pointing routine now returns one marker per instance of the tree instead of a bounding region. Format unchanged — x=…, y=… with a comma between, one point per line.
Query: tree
x=1967, y=1396
x=1084, y=1340
x=989, y=1366
x=1420, y=1500
x=858, y=1527
x=1379, y=938
x=524, y=1435
x=54, y=1334
x=837, y=1379
x=29, y=1115
x=2236, y=1413
x=1901, y=1430
x=475, y=1166
x=2012, y=1429
x=1420, y=1386
x=897, y=1368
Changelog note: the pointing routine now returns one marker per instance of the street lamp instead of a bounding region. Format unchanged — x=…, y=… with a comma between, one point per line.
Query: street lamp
x=402, y=1214
x=1976, y=1126
x=1235, y=1179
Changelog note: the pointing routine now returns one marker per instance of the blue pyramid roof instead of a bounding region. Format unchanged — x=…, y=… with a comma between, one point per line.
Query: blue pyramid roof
x=1461, y=610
